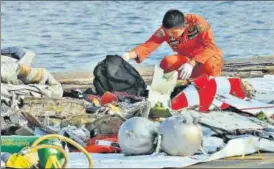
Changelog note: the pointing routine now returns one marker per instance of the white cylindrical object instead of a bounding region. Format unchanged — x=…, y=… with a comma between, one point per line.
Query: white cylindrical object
x=180, y=137
x=137, y=136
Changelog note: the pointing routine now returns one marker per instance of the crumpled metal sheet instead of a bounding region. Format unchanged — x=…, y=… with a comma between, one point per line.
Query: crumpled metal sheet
x=18, y=81
x=129, y=110
x=57, y=113
x=61, y=108
x=108, y=124
x=212, y=144
x=224, y=120
x=230, y=125
x=80, y=135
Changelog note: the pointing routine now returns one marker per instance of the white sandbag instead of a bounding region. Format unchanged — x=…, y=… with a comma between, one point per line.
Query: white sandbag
x=161, y=87
x=22, y=55
x=9, y=73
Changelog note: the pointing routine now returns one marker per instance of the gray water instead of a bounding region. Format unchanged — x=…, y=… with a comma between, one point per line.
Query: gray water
x=73, y=36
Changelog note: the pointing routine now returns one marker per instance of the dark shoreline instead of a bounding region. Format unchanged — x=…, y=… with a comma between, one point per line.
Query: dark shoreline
x=244, y=68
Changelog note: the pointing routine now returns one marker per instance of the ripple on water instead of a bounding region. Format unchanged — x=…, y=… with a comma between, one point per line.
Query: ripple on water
x=84, y=32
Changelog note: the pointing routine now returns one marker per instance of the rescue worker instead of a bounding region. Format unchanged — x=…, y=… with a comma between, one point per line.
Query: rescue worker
x=191, y=37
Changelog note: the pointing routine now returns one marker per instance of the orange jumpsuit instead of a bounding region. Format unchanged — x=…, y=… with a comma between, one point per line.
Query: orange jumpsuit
x=197, y=42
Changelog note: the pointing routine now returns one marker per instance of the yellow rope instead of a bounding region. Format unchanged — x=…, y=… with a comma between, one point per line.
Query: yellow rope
x=38, y=147
x=62, y=138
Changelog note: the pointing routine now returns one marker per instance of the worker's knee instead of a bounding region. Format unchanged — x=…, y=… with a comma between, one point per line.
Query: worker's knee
x=213, y=67
x=172, y=62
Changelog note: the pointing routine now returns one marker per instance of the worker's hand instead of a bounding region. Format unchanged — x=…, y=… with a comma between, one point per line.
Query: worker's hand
x=126, y=56
x=185, y=71
x=129, y=55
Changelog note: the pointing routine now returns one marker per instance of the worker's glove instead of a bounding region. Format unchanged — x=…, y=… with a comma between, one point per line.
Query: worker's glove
x=126, y=56
x=185, y=71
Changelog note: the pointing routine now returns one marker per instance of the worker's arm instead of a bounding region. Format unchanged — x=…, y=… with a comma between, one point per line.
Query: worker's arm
x=207, y=40
x=144, y=50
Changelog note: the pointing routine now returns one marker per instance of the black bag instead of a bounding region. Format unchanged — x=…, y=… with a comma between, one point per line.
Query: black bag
x=115, y=74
